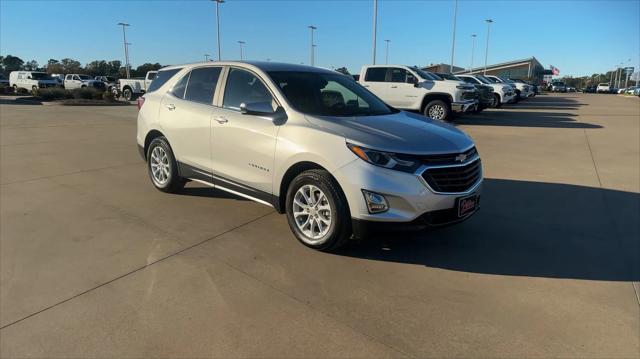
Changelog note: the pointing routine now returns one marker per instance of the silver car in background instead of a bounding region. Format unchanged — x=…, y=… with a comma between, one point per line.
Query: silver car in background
x=311, y=143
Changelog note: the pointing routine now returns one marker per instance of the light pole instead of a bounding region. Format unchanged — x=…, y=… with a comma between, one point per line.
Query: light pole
x=241, y=43
x=473, y=48
x=453, y=38
x=486, y=51
x=386, y=52
x=126, y=48
x=218, y=2
x=312, y=28
x=375, y=25
x=206, y=57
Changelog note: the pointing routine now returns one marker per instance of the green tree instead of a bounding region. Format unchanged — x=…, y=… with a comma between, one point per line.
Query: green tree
x=54, y=66
x=70, y=66
x=31, y=65
x=95, y=68
x=114, y=67
x=142, y=70
x=11, y=63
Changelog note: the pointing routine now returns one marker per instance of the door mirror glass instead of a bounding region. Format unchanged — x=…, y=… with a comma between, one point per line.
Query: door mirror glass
x=257, y=108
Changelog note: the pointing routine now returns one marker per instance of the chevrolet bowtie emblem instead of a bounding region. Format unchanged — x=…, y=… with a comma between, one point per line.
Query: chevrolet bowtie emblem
x=461, y=157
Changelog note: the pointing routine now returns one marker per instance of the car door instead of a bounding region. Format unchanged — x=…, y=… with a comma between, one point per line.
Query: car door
x=402, y=93
x=185, y=116
x=243, y=145
x=374, y=81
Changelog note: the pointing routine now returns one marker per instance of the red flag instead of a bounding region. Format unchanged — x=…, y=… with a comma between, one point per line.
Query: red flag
x=554, y=70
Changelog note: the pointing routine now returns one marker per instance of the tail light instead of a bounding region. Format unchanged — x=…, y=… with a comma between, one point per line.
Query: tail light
x=140, y=102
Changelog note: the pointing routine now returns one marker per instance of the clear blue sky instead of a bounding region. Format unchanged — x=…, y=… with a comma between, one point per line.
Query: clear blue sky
x=578, y=37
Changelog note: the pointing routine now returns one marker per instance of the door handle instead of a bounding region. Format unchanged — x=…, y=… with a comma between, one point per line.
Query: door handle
x=365, y=85
x=170, y=107
x=394, y=87
x=221, y=120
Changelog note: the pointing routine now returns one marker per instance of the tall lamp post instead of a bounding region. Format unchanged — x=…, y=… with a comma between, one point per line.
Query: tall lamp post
x=486, y=51
x=473, y=48
x=312, y=28
x=126, y=48
x=453, y=38
x=241, y=43
x=206, y=57
x=386, y=52
x=375, y=25
x=218, y=2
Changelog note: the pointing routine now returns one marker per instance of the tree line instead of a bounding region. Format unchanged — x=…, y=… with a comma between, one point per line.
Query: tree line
x=70, y=66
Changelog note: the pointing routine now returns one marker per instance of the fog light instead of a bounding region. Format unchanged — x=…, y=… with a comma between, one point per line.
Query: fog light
x=376, y=203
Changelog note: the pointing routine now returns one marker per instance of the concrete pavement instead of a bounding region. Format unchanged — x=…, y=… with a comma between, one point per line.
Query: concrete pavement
x=94, y=262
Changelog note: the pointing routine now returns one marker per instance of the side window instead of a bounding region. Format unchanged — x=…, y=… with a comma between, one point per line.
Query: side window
x=161, y=78
x=375, y=74
x=178, y=89
x=202, y=85
x=398, y=75
x=76, y=77
x=68, y=77
x=20, y=77
x=245, y=87
x=470, y=80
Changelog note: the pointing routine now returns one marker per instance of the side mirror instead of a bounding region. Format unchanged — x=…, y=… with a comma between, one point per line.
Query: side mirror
x=264, y=109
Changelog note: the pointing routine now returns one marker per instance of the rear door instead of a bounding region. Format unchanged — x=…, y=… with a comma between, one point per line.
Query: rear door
x=243, y=145
x=374, y=81
x=185, y=115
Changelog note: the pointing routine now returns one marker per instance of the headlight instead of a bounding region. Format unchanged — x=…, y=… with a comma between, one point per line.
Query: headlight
x=506, y=88
x=385, y=159
x=465, y=87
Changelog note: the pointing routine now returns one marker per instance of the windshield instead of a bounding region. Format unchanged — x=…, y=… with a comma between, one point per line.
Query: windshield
x=40, y=76
x=603, y=84
x=484, y=80
x=426, y=74
x=326, y=94
x=558, y=84
x=490, y=79
x=449, y=77
x=84, y=77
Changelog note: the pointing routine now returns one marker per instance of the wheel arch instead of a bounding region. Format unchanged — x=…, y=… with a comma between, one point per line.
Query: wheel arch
x=435, y=96
x=151, y=135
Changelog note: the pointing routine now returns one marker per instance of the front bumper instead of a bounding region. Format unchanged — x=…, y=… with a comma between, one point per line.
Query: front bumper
x=408, y=195
x=508, y=97
x=464, y=106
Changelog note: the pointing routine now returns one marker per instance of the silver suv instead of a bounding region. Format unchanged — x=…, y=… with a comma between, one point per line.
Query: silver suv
x=310, y=142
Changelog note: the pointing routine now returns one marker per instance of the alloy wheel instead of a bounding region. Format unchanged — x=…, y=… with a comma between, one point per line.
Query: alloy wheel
x=436, y=112
x=312, y=213
x=160, y=171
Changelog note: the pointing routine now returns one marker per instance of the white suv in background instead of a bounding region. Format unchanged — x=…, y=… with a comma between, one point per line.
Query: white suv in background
x=502, y=93
x=310, y=142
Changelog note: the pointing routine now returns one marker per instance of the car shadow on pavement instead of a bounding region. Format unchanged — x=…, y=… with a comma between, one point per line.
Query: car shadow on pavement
x=524, y=119
x=527, y=229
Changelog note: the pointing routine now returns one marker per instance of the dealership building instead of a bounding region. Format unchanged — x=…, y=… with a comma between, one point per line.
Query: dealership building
x=527, y=69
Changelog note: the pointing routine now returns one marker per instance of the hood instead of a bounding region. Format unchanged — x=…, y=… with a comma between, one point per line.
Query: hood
x=401, y=132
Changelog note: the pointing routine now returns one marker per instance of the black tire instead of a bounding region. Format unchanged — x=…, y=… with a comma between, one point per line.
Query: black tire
x=34, y=90
x=127, y=93
x=174, y=182
x=339, y=231
x=15, y=89
x=496, y=101
x=438, y=110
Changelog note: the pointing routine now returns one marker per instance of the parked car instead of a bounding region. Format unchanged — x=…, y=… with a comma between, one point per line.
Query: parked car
x=411, y=88
x=485, y=92
x=110, y=83
x=521, y=90
x=603, y=87
x=132, y=88
x=534, y=88
x=309, y=142
x=558, y=86
x=76, y=81
x=571, y=89
x=630, y=90
x=3, y=81
x=590, y=89
x=501, y=93
x=30, y=80
x=59, y=79
x=636, y=91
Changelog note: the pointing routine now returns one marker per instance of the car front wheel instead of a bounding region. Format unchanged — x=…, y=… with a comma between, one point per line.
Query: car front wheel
x=495, y=103
x=162, y=166
x=437, y=110
x=317, y=211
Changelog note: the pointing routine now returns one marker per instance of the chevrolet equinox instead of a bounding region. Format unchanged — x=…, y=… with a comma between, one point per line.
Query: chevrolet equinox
x=310, y=142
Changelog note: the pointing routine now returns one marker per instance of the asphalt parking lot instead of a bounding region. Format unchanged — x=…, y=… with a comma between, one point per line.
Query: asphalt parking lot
x=97, y=263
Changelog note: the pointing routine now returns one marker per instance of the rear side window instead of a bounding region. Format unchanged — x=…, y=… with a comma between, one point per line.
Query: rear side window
x=161, y=78
x=202, y=85
x=376, y=74
x=178, y=89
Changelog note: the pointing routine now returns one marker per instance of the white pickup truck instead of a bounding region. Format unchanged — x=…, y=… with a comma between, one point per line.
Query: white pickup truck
x=410, y=88
x=132, y=88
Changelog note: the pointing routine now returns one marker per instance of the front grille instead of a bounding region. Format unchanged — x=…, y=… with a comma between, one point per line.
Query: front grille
x=447, y=159
x=453, y=179
x=470, y=95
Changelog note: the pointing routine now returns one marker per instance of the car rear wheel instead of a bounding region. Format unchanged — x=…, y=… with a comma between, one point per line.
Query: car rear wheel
x=495, y=102
x=317, y=211
x=34, y=90
x=127, y=94
x=15, y=89
x=437, y=110
x=162, y=166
